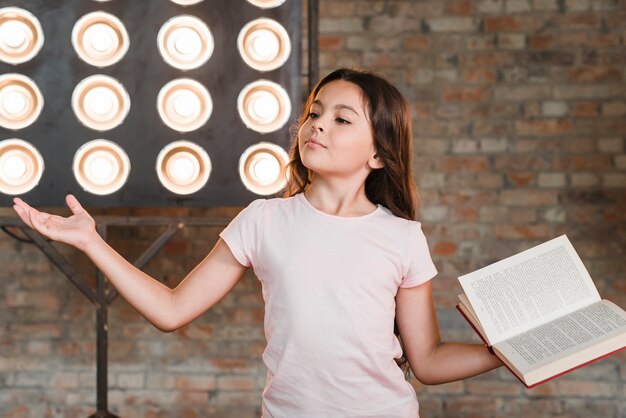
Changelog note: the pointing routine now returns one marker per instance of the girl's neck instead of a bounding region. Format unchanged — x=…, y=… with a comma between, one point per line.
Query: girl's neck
x=339, y=200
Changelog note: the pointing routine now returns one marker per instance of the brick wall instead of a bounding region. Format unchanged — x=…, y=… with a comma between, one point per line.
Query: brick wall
x=519, y=113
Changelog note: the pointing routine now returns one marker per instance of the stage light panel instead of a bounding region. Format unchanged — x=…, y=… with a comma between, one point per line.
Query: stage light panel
x=101, y=167
x=21, y=101
x=21, y=166
x=100, y=39
x=184, y=104
x=264, y=106
x=263, y=168
x=264, y=44
x=266, y=4
x=185, y=42
x=183, y=167
x=21, y=35
x=120, y=87
x=100, y=102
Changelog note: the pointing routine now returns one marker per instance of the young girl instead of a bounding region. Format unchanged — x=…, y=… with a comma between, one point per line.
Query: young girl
x=340, y=259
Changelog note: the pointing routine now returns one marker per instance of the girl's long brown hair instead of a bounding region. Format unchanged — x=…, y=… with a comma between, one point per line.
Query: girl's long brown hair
x=391, y=186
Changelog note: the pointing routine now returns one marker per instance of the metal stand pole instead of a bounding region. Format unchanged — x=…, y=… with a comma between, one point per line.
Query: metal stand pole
x=103, y=295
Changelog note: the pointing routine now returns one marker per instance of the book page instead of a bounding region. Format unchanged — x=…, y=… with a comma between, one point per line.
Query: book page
x=530, y=288
x=554, y=346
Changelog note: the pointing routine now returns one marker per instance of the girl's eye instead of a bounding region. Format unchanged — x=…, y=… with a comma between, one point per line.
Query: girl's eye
x=313, y=115
x=342, y=121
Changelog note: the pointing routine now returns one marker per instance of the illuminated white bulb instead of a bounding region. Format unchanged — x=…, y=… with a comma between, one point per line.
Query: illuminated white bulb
x=264, y=106
x=183, y=168
x=101, y=167
x=265, y=44
x=187, y=42
x=14, y=33
x=21, y=166
x=21, y=101
x=14, y=102
x=14, y=167
x=265, y=169
x=100, y=100
x=101, y=37
x=186, y=103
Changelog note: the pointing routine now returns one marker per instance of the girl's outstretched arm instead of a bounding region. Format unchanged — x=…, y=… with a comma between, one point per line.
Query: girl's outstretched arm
x=433, y=361
x=167, y=309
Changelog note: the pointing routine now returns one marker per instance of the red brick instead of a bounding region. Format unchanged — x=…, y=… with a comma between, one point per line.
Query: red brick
x=526, y=232
x=459, y=7
x=493, y=388
x=511, y=23
x=445, y=248
x=463, y=164
x=329, y=42
x=599, y=74
x=546, y=127
x=466, y=94
x=541, y=41
x=575, y=21
x=584, y=109
x=419, y=42
x=479, y=75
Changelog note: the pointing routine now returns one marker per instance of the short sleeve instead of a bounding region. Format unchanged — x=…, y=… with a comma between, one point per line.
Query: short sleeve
x=420, y=265
x=242, y=233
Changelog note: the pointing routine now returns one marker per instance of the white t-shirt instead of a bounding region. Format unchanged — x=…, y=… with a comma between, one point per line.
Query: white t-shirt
x=329, y=285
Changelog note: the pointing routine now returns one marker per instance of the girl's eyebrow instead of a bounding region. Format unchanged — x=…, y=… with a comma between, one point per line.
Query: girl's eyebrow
x=339, y=106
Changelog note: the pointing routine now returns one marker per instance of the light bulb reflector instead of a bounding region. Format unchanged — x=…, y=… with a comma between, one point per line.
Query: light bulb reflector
x=101, y=167
x=264, y=106
x=264, y=44
x=100, y=39
x=21, y=35
x=263, y=168
x=183, y=167
x=100, y=102
x=21, y=101
x=21, y=167
x=184, y=104
x=185, y=42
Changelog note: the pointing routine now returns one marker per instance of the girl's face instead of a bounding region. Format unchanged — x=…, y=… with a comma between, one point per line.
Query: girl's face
x=336, y=138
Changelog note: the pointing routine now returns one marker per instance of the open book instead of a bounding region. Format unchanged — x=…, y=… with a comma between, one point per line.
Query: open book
x=541, y=313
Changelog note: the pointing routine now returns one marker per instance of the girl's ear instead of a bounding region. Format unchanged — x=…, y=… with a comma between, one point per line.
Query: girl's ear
x=375, y=162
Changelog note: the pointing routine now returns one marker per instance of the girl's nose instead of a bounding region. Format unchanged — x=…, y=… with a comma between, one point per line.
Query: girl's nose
x=317, y=126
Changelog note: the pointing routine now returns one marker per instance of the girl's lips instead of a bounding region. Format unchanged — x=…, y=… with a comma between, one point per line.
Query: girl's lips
x=313, y=144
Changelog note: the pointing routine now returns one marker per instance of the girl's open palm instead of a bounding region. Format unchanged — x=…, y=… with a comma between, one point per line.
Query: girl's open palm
x=76, y=230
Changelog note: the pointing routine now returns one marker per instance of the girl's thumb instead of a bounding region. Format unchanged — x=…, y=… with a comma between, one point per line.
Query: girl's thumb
x=73, y=204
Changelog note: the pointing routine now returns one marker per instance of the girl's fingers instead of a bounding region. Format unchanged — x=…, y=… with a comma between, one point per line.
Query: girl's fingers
x=73, y=204
x=23, y=214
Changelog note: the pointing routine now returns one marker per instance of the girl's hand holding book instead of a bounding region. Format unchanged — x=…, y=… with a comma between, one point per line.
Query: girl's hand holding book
x=77, y=230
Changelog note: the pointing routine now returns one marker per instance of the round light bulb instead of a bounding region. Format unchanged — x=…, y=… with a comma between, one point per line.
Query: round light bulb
x=265, y=169
x=14, y=34
x=100, y=100
x=186, y=104
x=101, y=37
x=14, y=167
x=184, y=168
x=100, y=170
x=265, y=44
x=187, y=42
x=14, y=103
x=264, y=106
